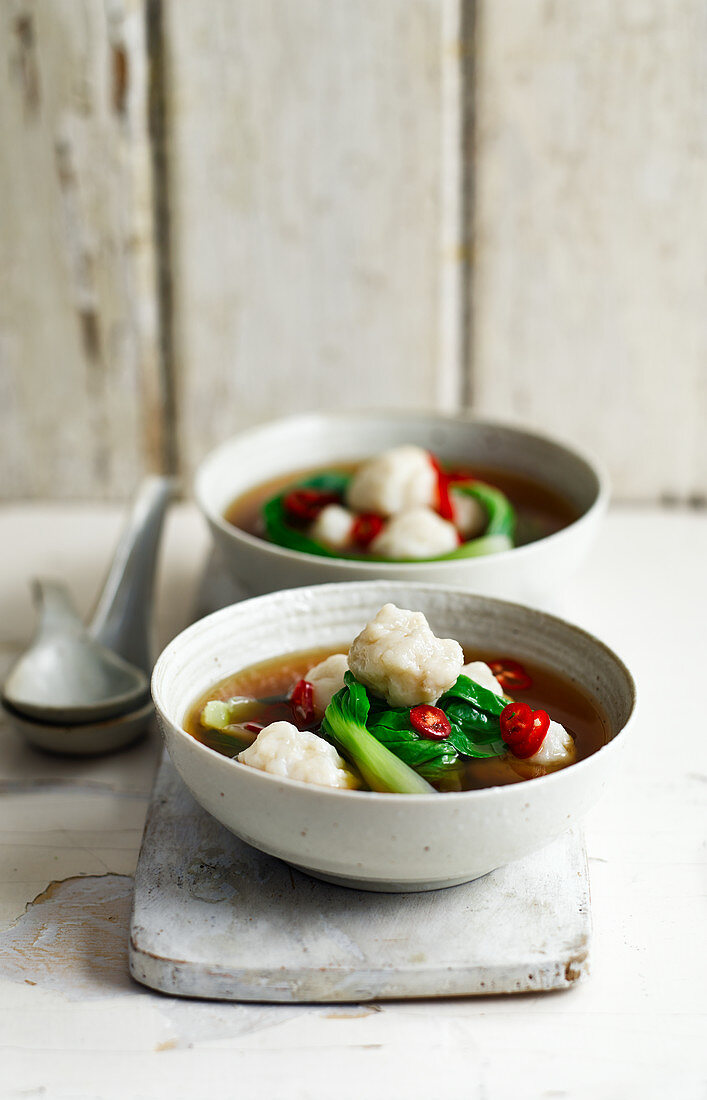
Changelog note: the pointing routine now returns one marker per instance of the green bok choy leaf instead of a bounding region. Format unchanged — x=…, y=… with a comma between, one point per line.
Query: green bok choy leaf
x=500, y=529
x=281, y=532
x=358, y=722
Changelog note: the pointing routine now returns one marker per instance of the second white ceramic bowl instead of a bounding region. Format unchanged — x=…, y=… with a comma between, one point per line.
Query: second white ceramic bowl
x=530, y=573
x=384, y=841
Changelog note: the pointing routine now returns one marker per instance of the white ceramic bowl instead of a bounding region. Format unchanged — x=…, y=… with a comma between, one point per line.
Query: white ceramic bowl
x=530, y=573
x=385, y=841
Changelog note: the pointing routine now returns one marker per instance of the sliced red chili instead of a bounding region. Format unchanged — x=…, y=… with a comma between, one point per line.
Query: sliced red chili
x=365, y=528
x=516, y=722
x=511, y=675
x=454, y=476
x=302, y=702
x=253, y=727
x=306, y=504
x=430, y=722
x=532, y=743
x=523, y=729
x=444, y=501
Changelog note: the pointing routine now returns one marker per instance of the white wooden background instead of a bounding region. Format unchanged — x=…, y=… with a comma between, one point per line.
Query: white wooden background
x=216, y=213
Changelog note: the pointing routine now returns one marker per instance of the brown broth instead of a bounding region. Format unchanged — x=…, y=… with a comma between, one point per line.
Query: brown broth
x=564, y=701
x=540, y=511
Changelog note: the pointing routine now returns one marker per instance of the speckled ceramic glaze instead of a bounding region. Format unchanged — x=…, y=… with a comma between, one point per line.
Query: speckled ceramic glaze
x=382, y=841
x=529, y=572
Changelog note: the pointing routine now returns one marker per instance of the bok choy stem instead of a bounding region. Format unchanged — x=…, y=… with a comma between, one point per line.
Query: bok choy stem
x=345, y=723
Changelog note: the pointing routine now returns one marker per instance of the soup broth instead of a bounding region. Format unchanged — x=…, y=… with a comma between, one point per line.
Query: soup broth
x=540, y=511
x=274, y=680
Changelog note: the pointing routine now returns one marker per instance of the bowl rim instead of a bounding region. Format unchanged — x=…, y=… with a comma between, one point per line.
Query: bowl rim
x=451, y=798
x=237, y=535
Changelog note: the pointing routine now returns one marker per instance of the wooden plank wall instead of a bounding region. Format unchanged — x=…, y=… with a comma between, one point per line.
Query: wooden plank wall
x=80, y=394
x=308, y=198
x=490, y=203
x=590, y=290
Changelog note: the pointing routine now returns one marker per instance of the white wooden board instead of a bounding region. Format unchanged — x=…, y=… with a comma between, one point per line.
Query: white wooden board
x=215, y=918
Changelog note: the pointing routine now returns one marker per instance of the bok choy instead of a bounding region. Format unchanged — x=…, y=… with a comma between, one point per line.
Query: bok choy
x=498, y=535
x=500, y=529
x=392, y=755
x=345, y=723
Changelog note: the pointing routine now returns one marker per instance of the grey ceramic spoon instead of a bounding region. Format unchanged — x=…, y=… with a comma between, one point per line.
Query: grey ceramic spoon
x=123, y=615
x=121, y=624
x=66, y=676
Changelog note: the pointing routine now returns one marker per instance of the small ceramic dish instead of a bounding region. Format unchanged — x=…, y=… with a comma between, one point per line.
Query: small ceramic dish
x=529, y=573
x=386, y=842
x=85, y=739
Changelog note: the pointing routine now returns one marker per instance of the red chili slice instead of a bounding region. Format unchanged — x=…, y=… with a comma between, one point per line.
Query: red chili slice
x=454, y=476
x=253, y=727
x=516, y=722
x=306, y=504
x=444, y=501
x=511, y=675
x=523, y=729
x=430, y=722
x=302, y=702
x=365, y=528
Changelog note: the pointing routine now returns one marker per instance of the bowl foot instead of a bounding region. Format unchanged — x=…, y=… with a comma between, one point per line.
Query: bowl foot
x=379, y=887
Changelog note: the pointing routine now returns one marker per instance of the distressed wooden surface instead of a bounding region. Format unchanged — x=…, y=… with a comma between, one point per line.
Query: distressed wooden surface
x=314, y=202
x=590, y=262
x=79, y=366
x=215, y=918
x=73, y=1024
x=418, y=203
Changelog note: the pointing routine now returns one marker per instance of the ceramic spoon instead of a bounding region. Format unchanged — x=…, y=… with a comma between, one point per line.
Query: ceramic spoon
x=66, y=676
x=120, y=627
x=123, y=615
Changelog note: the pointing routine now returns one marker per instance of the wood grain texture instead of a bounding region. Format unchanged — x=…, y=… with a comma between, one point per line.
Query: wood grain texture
x=326, y=164
x=313, y=195
x=590, y=257
x=79, y=378
x=213, y=917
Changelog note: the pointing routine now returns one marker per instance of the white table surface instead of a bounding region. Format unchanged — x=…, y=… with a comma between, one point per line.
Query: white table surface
x=72, y=1024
